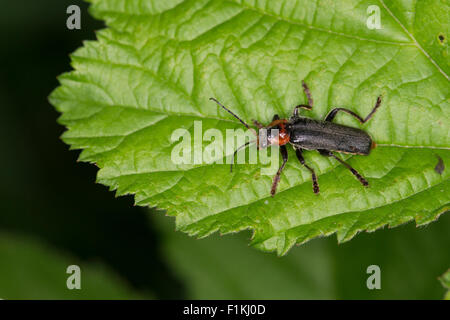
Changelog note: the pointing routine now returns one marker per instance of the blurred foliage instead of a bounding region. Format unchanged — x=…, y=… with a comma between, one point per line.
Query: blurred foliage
x=31, y=270
x=445, y=280
x=410, y=260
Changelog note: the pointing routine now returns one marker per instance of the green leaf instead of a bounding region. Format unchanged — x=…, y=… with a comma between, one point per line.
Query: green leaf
x=155, y=66
x=33, y=270
x=225, y=268
x=445, y=280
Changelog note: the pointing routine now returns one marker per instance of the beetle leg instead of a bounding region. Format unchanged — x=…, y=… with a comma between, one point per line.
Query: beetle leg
x=333, y=113
x=275, y=121
x=324, y=152
x=277, y=177
x=300, y=158
x=303, y=106
x=308, y=96
x=258, y=124
x=307, y=93
x=361, y=179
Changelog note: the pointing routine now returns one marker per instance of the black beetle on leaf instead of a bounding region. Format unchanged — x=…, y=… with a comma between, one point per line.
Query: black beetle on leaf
x=306, y=133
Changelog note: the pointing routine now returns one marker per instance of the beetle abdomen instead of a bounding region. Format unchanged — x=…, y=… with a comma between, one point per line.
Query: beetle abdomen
x=313, y=135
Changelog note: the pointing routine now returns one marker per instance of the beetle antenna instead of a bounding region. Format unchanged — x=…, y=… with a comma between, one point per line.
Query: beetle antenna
x=231, y=112
x=237, y=150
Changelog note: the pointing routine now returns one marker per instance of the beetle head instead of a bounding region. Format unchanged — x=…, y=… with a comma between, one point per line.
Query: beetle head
x=277, y=136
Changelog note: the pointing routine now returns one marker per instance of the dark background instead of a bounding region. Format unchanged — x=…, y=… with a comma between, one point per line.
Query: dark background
x=46, y=193
x=44, y=190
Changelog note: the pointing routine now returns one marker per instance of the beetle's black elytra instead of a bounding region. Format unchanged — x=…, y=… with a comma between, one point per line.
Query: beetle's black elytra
x=306, y=133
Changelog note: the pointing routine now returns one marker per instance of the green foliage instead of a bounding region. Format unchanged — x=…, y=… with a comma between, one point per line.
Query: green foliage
x=445, y=280
x=155, y=66
x=32, y=270
x=225, y=268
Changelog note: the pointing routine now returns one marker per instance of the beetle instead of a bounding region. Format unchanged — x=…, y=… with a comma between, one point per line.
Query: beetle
x=309, y=134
